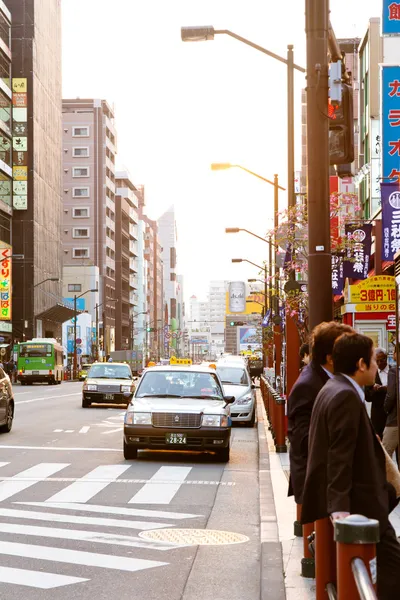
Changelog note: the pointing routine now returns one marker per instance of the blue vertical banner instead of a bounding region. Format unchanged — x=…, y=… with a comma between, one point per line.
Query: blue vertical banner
x=337, y=274
x=390, y=194
x=390, y=17
x=358, y=253
x=390, y=123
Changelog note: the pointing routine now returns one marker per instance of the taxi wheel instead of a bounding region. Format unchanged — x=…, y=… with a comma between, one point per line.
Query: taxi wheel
x=252, y=420
x=130, y=452
x=223, y=455
x=86, y=403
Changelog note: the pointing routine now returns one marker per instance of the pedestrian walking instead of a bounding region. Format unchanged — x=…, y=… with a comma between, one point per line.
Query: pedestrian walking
x=376, y=393
x=390, y=438
x=304, y=355
x=346, y=471
x=302, y=397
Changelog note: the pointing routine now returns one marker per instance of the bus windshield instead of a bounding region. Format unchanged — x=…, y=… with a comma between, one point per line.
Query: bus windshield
x=35, y=350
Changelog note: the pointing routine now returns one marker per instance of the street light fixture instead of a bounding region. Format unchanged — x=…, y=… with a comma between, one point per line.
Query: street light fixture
x=48, y=279
x=75, y=366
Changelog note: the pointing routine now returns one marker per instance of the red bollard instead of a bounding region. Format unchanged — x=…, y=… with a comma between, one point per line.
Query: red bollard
x=308, y=561
x=356, y=537
x=280, y=443
x=325, y=557
x=297, y=526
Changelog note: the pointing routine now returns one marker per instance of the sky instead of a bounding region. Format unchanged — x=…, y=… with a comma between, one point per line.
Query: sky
x=181, y=106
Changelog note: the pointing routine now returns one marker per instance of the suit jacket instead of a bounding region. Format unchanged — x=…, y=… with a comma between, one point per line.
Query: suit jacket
x=390, y=403
x=377, y=399
x=346, y=465
x=300, y=404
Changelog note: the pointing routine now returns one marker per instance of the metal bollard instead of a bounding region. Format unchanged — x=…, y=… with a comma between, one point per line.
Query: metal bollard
x=297, y=526
x=325, y=557
x=280, y=445
x=356, y=538
x=308, y=561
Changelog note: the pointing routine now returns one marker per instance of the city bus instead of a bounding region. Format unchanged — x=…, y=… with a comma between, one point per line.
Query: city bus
x=40, y=360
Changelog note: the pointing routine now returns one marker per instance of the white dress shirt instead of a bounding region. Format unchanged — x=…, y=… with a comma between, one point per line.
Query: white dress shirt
x=383, y=375
x=358, y=388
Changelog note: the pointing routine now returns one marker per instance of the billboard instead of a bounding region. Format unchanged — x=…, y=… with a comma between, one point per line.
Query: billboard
x=248, y=339
x=252, y=304
x=5, y=281
x=237, y=296
x=390, y=123
x=390, y=17
x=20, y=143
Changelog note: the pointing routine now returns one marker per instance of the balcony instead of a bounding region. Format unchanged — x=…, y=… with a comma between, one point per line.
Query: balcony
x=133, y=231
x=133, y=247
x=133, y=298
x=133, y=265
x=125, y=274
x=132, y=280
x=125, y=296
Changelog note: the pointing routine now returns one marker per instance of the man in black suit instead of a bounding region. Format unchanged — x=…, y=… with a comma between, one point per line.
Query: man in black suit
x=346, y=470
x=376, y=394
x=302, y=397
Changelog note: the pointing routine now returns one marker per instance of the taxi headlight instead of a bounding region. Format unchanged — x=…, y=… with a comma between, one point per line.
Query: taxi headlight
x=215, y=421
x=141, y=418
x=245, y=399
x=90, y=387
x=126, y=388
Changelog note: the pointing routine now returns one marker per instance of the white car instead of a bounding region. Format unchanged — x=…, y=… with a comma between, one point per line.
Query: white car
x=236, y=381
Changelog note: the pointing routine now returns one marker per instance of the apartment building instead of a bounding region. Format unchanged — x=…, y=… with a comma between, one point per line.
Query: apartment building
x=168, y=239
x=217, y=300
x=89, y=203
x=126, y=267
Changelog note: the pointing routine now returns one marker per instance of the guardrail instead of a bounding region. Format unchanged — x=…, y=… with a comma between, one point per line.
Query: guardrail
x=275, y=408
x=345, y=558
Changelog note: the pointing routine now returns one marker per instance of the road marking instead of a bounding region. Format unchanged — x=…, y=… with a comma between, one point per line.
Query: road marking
x=112, y=431
x=87, y=536
x=162, y=487
x=77, y=557
x=36, y=579
x=6, y=447
x=113, y=510
x=69, y=431
x=37, y=473
x=84, y=489
x=47, y=398
x=84, y=429
x=57, y=430
x=98, y=521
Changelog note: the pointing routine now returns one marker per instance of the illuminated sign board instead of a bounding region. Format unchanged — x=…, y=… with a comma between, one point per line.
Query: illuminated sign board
x=5, y=282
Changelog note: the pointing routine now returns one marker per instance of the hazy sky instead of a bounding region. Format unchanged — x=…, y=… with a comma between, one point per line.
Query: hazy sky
x=180, y=107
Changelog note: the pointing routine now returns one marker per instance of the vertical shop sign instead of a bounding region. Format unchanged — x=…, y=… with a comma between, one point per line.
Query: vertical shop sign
x=20, y=143
x=356, y=264
x=390, y=17
x=390, y=195
x=5, y=281
x=337, y=275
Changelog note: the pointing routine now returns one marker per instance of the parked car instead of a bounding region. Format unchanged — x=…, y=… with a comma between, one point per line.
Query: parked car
x=236, y=381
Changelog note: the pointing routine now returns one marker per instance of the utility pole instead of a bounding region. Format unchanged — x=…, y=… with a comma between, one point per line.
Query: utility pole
x=319, y=257
x=75, y=365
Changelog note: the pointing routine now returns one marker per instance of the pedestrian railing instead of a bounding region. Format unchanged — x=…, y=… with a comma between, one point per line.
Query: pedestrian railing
x=345, y=558
x=275, y=408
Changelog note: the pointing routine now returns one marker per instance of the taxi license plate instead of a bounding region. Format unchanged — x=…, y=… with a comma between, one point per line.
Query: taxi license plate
x=35, y=372
x=108, y=397
x=175, y=438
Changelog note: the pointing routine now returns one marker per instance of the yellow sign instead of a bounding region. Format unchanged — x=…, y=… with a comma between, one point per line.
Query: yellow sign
x=5, y=281
x=19, y=84
x=180, y=361
x=254, y=304
x=376, y=307
x=378, y=290
x=151, y=364
x=20, y=173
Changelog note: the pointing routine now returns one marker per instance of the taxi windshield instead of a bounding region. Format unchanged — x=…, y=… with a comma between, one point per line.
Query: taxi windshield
x=180, y=384
x=233, y=375
x=110, y=371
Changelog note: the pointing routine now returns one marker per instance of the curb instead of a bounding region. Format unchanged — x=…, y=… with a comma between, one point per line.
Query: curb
x=271, y=561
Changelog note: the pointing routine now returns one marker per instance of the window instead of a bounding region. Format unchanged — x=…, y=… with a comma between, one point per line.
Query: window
x=172, y=257
x=80, y=192
x=80, y=131
x=80, y=172
x=74, y=287
x=80, y=213
x=80, y=252
x=172, y=276
x=79, y=232
x=80, y=151
x=5, y=106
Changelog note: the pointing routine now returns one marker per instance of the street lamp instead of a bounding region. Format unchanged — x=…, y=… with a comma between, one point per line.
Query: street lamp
x=48, y=279
x=75, y=366
x=97, y=306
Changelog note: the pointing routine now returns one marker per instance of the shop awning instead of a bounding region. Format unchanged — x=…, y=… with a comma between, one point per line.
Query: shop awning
x=59, y=313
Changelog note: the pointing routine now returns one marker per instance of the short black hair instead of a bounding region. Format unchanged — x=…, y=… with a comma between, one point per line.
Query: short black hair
x=323, y=337
x=347, y=351
x=304, y=349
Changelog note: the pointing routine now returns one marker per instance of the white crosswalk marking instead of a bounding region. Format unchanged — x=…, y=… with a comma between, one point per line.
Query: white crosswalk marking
x=113, y=510
x=32, y=476
x=36, y=579
x=84, y=489
x=162, y=487
x=78, y=557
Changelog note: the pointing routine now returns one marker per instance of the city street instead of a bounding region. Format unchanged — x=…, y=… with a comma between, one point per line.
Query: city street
x=74, y=514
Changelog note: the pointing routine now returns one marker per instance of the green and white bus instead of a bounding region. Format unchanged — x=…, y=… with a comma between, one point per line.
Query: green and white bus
x=41, y=360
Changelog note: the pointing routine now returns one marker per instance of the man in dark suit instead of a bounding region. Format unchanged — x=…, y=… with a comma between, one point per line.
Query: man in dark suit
x=376, y=394
x=346, y=467
x=302, y=397
x=390, y=439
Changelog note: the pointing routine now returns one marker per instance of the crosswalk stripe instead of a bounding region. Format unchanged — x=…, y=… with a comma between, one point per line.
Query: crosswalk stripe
x=85, y=536
x=170, y=480
x=36, y=579
x=78, y=557
x=3, y=464
x=37, y=473
x=113, y=510
x=59, y=518
x=84, y=489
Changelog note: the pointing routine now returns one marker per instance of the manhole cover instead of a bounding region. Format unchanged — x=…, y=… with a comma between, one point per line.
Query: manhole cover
x=194, y=537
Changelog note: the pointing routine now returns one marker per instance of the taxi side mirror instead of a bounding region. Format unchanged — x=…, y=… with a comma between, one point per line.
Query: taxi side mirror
x=229, y=399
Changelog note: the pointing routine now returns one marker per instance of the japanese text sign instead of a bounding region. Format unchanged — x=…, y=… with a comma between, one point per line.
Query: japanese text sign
x=356, y=264
x=375, y=294
x=20, y=142
x=390, y=17
x=390, y=123
x=5, y=282
x=337, y=275
x=390, y=195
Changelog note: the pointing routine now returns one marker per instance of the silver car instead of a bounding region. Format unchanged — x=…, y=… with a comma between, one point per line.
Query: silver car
x=236, y=381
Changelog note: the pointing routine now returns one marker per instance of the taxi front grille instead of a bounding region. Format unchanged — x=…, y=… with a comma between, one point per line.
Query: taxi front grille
x=177, y=420
x=108, y=389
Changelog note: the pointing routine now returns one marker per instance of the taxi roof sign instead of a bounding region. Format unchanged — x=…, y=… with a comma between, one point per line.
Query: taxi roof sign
x=180, y=361
x=151, y=364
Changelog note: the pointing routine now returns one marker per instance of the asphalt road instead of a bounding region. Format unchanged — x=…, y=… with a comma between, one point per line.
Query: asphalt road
x=73, y=512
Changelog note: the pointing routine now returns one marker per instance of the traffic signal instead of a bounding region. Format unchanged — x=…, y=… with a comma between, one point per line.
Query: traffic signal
x=341, y=128
x=148, y=329
x=236, y=323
